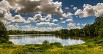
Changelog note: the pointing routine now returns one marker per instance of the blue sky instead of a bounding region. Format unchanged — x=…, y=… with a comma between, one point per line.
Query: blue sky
x=39, y=15
x=79, y=4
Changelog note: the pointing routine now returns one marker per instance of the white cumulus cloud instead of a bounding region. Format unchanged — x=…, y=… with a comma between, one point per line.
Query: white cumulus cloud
x=89, y=10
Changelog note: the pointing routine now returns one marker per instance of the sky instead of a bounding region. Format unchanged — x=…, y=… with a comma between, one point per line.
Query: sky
x=49, y=15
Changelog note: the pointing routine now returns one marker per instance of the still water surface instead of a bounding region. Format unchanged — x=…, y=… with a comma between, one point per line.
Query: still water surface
x=38, y=39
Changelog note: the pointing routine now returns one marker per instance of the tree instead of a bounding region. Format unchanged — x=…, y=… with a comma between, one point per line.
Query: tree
x=3, y=33
x=100, y=32
x=86, y=30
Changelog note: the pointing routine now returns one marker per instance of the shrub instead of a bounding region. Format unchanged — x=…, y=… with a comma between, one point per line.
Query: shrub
x=57, y=44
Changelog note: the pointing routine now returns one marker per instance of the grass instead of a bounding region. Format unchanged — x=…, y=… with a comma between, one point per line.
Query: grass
x=94, y=46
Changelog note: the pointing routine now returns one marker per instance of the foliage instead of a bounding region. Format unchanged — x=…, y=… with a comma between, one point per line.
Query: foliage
x=3, y=33
x=91, y=47
x=101, y=32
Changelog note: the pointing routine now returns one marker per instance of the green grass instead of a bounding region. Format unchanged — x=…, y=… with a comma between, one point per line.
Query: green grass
x=94, y=46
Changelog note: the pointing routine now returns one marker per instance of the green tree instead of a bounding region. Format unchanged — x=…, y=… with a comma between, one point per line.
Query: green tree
x=3, y=33
x=100, y=32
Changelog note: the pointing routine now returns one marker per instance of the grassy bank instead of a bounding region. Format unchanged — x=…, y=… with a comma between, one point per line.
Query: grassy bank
x=93, y=46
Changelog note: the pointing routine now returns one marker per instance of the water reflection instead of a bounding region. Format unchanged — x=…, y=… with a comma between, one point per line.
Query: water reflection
x=38, y=39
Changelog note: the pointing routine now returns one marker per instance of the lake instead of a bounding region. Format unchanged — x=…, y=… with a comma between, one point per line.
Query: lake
x=38, y=39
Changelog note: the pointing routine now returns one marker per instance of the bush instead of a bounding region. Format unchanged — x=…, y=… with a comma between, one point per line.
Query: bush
x=57, y=44
x=45, y=45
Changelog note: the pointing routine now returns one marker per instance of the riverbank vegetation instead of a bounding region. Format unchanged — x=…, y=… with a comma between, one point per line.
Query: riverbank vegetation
x=92, y=46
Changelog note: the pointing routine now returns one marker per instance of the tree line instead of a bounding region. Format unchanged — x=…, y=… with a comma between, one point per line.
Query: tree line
x=95, y=29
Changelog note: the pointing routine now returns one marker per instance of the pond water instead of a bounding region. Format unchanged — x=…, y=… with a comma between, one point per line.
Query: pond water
x=38, y=39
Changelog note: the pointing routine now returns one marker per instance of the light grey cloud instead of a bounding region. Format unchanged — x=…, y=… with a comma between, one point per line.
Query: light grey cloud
x=46, y=24
x=55, y=20
x=73, y=26
x=18, y=19
x=12, y=27
x=69, y=20
x=89, y=10
x=75, y=8
x=63, y=22
x=66, y=7
x=37, y=6
x=68, y=15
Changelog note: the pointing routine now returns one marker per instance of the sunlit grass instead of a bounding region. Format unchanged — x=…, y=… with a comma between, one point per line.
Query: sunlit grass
x=50, y=48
